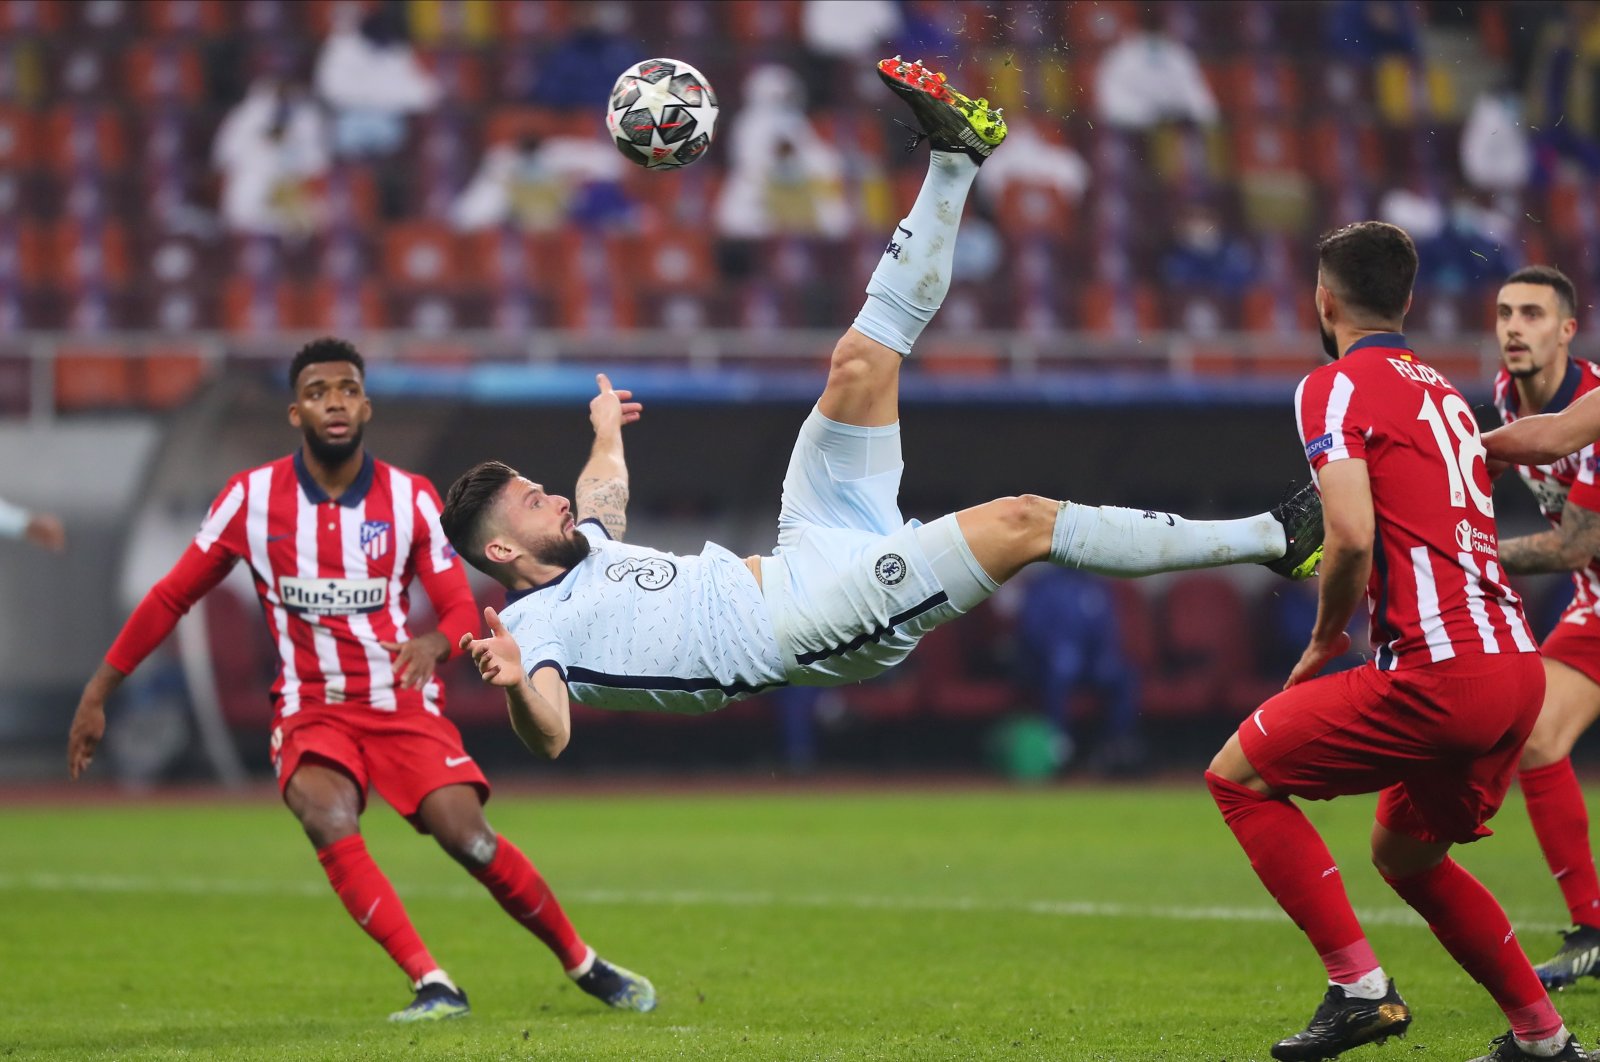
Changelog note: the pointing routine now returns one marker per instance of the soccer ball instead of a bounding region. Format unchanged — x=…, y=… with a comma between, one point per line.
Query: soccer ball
x=663, y=113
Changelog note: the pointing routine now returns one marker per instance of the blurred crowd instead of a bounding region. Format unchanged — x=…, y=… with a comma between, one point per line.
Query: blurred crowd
x=254, y=165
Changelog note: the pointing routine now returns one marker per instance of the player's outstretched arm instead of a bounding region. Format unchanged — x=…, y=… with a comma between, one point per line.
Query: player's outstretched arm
x=602, y=489
x=1547, y=437
x=540, y=711
x=1568, y=547
x=89, y=721
x=1348, y=521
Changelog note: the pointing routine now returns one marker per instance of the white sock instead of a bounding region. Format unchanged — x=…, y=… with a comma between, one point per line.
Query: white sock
x=585, y=966
x=914, y=273
x=435, y=977
x=1549, y=1047
x=1113, y=541
x=1372, y=985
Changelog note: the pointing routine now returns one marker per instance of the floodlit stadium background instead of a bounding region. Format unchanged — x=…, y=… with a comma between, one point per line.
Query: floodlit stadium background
x=1131, y=312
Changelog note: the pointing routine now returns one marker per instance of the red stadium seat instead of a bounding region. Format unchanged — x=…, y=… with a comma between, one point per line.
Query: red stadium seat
x=81, y=135
x=86, y=254
x=257, y=307
x=535, y=20
x=761, y=21
x=30, y=16
x=185, y=17
x=462, y=74
x=90, y=379
x=420, y=254
x=1205, y=649
x=19, y=147
x=330, y=307
x=243, y=659
x=171, y=378
x=164, y=72
x=1119, y=310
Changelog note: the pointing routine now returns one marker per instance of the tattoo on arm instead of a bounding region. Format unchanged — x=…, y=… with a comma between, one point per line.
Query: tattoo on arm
x=1564, y=549
x=605, y=500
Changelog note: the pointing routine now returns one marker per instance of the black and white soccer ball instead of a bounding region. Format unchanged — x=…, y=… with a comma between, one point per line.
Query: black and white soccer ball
x=663, y=114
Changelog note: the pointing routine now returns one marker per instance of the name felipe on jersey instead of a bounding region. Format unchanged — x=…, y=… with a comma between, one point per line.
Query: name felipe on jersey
x=332, y=597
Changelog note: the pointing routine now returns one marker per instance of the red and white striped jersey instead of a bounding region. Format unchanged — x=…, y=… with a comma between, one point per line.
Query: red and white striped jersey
x=1571, y=480
x=1436, y=589
x=333, y=577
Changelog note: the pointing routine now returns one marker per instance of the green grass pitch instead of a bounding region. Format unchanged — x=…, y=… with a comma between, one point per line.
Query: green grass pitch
x=1073, y=923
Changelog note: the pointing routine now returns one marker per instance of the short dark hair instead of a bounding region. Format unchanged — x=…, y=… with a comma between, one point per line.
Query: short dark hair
x=466, y=504
x=1550, y=277
x=1371, y=265
x=327, y=348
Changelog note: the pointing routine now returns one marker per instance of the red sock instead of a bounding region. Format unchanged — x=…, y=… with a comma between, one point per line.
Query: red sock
x=514, y=882
x=1561, y=822
x=372, y=902
x=1470, y=924
x=1297, y=869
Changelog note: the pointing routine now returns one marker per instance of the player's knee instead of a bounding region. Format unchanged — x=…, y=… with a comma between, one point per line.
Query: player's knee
x=1025, y=516
x=326, y=823
x=1545, y=746
x=474, y=847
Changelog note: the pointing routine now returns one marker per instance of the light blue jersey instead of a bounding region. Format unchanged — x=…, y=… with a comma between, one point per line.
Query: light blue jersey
x=637, y=629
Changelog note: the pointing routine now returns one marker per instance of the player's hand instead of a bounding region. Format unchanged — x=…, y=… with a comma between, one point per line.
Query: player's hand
x=498, y=658
x=1316, y=657
x=88, y=727
x=46, y=532
x=611, y=409
x=416, y=659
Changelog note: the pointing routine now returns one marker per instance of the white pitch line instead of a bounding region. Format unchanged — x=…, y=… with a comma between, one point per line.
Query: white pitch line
x=191, y=886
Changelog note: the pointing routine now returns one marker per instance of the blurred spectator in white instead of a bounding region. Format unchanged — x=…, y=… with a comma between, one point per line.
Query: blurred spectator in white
x=1495, y=153
x=372, y=79
x=1149, y=77
x=849, y=29
x=782, y=177
x=1205, y=256
x=1038, y=163
x=41, y=529
x=581, y=67
x=1461, y=244
x=542, y=184
x=272, y=150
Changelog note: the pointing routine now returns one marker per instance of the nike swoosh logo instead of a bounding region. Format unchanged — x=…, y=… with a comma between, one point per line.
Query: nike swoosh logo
x=905, y=230
x=368, y=917
x=668, y=125
x=456, y=761
x=1257, y=718
x=277, y=538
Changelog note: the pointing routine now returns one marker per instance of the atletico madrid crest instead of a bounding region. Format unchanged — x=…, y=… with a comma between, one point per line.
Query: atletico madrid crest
x=375, y=538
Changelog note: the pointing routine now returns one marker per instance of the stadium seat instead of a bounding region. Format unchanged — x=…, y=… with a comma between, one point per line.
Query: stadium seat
x=94, y=380
x=1119, y=310
x=760, y=21
x=170, y=379
x=163, y=73
x=420, y=255
x=88, y=254
x=77, y=135
x=462, y=74
x=19, y=148
x=1204, y=646
x=187, y=18
x=243, y=659
x=531, y=20
x=340, y=308
x=31, y=16
x=441, y=21
x=257, y=307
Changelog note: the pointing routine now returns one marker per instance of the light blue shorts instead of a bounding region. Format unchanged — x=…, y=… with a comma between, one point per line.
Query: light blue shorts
x=852, y=585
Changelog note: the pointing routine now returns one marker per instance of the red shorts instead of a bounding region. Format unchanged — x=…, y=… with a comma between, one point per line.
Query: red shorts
x=1576, y=642
x=404, y=755
x=1440, y=742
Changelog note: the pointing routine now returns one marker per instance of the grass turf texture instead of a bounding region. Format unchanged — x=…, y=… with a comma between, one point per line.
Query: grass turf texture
x=1094, y=924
